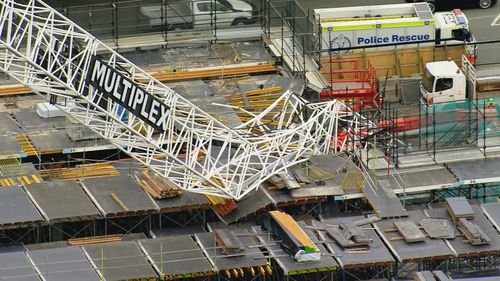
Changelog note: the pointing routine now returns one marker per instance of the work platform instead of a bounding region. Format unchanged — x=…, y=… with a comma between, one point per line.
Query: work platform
x=249, y=261
x=428, y=249
x=120, y=261
x=118, y=196
x=460, y=246
x=288, y=264
x=62, y=264
x=62, y=201
x=16, y=266
x=176, y=257
x=492, y=212
x=375, y=254
x=16, y=209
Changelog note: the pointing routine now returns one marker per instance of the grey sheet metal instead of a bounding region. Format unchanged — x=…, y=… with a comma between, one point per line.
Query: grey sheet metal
x=121, y=261
x=62, y=264
x=182, y=257
x=16, y=209
x=61, y=201
x=408, y=252
x=125, y=188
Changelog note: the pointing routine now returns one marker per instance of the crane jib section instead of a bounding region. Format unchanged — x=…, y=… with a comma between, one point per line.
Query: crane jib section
x=115, y=86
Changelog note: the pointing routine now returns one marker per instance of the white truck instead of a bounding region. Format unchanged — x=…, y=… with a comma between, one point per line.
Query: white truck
x=388, y=24
x=445, y=81
x=178, y=15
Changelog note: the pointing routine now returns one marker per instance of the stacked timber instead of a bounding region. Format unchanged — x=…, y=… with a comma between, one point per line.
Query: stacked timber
x=459, y=207
x=229, y=242
x=104, y=169
x=214, y=72
x=14, y=90
x=95, y=240
x=472, y=232
x=158, y=187
x=220, y=205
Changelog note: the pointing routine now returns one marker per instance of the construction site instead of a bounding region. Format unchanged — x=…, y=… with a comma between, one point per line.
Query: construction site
x=246, y=140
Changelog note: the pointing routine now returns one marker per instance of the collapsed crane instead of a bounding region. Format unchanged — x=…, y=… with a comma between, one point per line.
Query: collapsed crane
x=123, y=104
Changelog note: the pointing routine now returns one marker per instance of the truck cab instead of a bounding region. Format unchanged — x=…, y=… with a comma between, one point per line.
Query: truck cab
x=443, y=81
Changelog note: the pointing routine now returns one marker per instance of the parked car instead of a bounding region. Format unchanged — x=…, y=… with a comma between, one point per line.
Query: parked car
x=177, y=15
x=483, y=4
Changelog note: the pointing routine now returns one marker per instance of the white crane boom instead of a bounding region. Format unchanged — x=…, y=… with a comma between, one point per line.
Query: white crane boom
x=47, y=52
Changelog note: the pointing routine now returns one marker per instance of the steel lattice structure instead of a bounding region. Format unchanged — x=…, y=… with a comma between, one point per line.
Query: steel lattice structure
x=45, y=51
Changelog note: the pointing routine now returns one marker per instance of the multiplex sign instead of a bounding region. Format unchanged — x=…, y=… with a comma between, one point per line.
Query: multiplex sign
x=394, y=38
x=115, y=86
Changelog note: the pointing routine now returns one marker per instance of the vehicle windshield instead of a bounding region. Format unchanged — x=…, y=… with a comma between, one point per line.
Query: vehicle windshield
x=428, y=81
x=226, y=3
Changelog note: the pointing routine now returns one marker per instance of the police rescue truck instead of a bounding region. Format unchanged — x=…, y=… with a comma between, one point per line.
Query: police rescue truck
x=351, y=27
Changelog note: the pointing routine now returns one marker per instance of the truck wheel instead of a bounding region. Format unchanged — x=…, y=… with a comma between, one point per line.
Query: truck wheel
x=485, y=4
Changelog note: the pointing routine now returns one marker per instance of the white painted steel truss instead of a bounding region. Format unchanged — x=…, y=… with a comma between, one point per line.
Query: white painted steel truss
x=45, y=51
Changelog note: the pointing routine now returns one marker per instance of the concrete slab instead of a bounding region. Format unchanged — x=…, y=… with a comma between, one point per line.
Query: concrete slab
x=9, y=145
x=136, y=201
x=252, y=257
x=121, y=261
x=376, y=253
x=429, y=249
x=288, y=264
x=458, y=245
x=7, y=124
x=62, y=201
x=186, y=201
x=418, y=179
x=62, y=264
x=492, y=212
x=479, y=171
x=257, y=201
x=176, y=257
x=15, y=266
x=16, y=209
x=59, y=140
x=30, y=121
